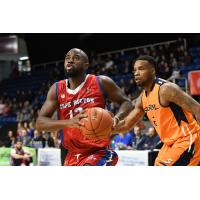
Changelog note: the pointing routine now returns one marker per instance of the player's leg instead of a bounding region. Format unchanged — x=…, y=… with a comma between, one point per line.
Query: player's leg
x=178, y=154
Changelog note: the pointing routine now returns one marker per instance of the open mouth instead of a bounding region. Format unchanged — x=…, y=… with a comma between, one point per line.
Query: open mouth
x=69, y=66
x=137, y=79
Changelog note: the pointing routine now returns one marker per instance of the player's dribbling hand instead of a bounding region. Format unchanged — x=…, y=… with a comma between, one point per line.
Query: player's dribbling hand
x=76, y=121
x=115, y=119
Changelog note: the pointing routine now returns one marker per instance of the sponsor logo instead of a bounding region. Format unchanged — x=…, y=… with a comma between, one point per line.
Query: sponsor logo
x=62, y=96
x=150, y=107
x=75, y=102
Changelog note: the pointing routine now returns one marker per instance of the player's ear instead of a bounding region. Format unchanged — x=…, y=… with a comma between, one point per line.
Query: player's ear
x=153, y=70
x=86, y=65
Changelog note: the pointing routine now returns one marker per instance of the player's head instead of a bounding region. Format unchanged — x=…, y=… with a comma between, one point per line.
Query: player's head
x=144, y=70
x=76, y=63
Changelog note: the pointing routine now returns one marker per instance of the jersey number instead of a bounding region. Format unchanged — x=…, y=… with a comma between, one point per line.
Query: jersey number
x=74, y=112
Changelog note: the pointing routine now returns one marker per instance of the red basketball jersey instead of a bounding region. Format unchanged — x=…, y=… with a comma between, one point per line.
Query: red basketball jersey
x=71, y=102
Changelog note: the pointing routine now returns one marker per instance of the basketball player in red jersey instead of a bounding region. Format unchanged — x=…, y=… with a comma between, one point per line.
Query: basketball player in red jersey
x=174, y=114
x=70, y=97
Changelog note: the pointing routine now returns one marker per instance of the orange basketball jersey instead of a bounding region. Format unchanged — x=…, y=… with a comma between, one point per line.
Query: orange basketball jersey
x=171, y=122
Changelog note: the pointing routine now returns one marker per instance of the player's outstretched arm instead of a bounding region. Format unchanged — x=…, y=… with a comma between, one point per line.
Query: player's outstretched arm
x=170, y=92
x=131, y=120
x=44, y=121
x=116, y=95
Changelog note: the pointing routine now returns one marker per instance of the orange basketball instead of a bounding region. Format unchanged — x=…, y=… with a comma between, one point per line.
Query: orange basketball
x=98, y=124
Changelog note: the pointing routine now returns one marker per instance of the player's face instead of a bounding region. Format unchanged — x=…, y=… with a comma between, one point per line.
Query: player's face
x=74, y=63
x=143, y=72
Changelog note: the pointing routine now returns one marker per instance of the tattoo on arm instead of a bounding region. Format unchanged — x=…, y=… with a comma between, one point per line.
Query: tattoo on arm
x=170, y=92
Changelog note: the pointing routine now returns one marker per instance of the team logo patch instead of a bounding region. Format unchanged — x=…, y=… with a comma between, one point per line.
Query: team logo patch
x=62, y=96
x=87, y=90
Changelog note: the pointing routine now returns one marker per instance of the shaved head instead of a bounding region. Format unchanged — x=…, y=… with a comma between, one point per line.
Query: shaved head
x=81, y=52
x=76, y=62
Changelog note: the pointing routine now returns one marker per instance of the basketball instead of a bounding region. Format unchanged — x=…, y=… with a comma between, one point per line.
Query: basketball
x=98, y=124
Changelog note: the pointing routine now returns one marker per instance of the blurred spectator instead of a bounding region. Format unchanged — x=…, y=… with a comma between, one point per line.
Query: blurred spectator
x=140, y=139
x=19, y=156
x=152, y=140
x=56, y=138
x=19, y=128
x=49, y=142
x=27, y=112
x=24, y=138
x=14, y=104
x=31, y=128
x=38, y=141
x=19, y=116
x=7, y=108
x=10, y=140
x=123, y=141
x=175, y=74
x=25, y=125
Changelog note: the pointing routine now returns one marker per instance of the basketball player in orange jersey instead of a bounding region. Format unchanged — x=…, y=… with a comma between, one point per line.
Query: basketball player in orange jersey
x=174, y=114
x=71, y=96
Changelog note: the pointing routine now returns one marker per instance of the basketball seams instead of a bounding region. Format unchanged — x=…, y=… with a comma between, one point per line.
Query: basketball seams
x=103, y=130
x=90, y=120
x=100, y=119
x=100, y=122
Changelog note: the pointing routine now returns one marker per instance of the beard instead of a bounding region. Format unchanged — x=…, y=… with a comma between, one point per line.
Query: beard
x=140, y=84
x=71, y=73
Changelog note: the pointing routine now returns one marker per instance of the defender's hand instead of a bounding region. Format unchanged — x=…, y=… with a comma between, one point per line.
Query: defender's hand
x=116, y=120
x=118, y=127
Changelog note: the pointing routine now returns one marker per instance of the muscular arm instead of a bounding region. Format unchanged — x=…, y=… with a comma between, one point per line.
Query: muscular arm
x=170, y=92
x=125, y=125
x=115, y=94
x=44, y=121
